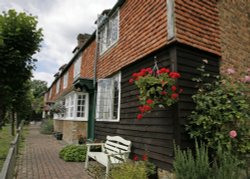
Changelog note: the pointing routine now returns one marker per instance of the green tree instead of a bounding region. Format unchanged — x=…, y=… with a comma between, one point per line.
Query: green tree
x=38, y=87
x=19, y=41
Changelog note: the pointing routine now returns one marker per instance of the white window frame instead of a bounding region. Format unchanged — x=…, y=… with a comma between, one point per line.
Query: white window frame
x=107, y=34
x=77, y=66
x=100, y=104
x=65, y=80
x=58, y=86
x=71, y=105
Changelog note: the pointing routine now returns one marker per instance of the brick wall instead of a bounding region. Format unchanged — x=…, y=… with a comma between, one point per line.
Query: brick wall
x=143, y=29
x=87, y=64
x=197, y=24
x=235, y=35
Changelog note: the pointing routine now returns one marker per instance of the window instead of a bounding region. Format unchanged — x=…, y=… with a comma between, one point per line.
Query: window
x=109, y=32
x=50, y=93
x=108, y=99
x=58, y=86
x=77, y=67
x=76, y=105
x=65, y=80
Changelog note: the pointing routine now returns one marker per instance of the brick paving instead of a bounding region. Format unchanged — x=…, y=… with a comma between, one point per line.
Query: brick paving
x=40, y=159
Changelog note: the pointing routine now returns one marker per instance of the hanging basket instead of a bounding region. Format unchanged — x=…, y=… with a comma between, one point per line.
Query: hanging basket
x=157, y=87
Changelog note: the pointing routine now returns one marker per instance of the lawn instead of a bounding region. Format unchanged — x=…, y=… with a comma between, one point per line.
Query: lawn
x=5, y=139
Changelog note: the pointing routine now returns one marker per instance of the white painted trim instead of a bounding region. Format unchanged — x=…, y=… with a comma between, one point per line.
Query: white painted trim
x=170, y=19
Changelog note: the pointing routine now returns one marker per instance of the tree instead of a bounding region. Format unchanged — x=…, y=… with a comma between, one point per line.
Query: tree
x=38, y=87
x=19, y=41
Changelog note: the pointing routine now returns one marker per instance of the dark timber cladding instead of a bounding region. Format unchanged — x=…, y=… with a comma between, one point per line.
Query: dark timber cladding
x=155, y=133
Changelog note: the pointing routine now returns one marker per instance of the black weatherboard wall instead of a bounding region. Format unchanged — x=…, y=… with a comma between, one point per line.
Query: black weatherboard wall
x=155, y=133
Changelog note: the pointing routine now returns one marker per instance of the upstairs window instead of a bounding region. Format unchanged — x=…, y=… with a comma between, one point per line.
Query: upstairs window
x=108, y=99
x=109, y=33
x=65, y=80
x=77, y=67
x=50, y=93
x=57, y=86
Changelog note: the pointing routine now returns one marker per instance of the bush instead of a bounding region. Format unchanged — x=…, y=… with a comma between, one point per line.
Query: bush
x=73, y=153
x=47, y=127
x=129, y=170
x=188, y=166
x=221, y=115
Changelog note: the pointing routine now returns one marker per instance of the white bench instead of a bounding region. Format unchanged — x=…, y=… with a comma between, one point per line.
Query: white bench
x=114, y=151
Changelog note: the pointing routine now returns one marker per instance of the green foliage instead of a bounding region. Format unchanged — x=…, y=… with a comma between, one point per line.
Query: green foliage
x=221, y=107
x=130, y=170
x=5, y=140
x=73, y=153
x=19, y=40
x=37, y=88
x=188, y=166
x=47, y=127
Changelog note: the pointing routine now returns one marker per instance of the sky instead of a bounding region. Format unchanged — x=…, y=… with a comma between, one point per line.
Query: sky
x=61, y=21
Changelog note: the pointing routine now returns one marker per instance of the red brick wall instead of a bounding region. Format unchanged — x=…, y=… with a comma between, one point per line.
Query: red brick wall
x=143, y=29
x=87, y=64
x=197, y=24
x=235, y=35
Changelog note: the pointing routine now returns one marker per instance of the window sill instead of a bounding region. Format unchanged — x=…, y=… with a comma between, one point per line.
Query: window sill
x=72, y=119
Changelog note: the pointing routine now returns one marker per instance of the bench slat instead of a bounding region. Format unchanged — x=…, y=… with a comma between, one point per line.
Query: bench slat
x=117, y=145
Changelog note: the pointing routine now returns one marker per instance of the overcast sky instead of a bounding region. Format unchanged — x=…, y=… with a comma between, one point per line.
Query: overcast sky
x=62, y=21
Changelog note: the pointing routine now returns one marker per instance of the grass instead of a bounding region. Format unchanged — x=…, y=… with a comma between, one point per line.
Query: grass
x=5, y=139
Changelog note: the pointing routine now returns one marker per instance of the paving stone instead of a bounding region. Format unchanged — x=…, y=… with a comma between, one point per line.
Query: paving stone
x=40, y=159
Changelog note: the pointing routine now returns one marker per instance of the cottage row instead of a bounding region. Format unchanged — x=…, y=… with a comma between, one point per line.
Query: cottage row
x=176, y=34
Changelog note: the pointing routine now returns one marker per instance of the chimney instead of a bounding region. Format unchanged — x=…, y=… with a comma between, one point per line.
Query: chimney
x=81, y=39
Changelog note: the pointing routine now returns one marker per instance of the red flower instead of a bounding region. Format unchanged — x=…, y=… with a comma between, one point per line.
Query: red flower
x=139, y=116
x=144, y=157
x=149, y=70
x=174, y=75
x=149, y=101
x=164, y=93
x=135, y=158
x=173, y=88
x=174, y=96
x=147, y=108
x=134, y=75
x=131, y=81
x=141, y=108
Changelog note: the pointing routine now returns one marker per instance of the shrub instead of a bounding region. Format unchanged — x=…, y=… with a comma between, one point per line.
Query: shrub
x=129, y=170
x=221, y=115
x=73, y=153
x=188, y=166
x=47, y=127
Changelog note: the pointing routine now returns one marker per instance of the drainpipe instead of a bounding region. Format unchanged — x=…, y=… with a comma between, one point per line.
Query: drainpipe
x=92, y=120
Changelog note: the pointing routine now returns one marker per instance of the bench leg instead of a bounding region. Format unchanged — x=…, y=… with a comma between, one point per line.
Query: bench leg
x=107, y=172
x=86, y=162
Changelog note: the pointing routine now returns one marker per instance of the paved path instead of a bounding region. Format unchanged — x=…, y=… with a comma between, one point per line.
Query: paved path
x=40, y=160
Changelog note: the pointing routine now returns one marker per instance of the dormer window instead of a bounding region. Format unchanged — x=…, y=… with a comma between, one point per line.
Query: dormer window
x=57, y=86
x=77, y=67
x=109, y=33
x=65, y=80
